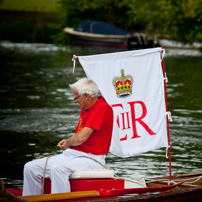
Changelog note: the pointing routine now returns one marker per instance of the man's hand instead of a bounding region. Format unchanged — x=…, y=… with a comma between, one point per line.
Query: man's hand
x=64, y=144
x=76, y=139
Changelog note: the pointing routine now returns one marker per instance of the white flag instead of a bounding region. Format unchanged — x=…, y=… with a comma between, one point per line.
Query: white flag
x=132, y=83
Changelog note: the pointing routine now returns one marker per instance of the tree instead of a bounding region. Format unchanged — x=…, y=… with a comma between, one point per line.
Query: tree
x=111, y=11
x=182, y=19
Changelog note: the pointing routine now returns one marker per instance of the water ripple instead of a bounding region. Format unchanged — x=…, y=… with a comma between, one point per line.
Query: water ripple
x=33, y=120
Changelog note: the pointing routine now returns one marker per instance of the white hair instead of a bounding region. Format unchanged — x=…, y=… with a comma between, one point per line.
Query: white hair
x=86, y=85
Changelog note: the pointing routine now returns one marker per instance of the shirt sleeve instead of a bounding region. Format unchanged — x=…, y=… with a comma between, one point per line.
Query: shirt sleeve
x=97, y=118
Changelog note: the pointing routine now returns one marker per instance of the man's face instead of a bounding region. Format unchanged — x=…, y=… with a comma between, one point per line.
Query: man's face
x=82, y=101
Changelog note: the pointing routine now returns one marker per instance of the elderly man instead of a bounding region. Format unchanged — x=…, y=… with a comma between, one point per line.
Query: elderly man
x=85, y=150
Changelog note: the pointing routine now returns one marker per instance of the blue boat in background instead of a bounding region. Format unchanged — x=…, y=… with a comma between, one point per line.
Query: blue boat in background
x=98, y=33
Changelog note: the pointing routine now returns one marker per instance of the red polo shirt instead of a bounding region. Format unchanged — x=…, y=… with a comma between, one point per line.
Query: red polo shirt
x=100, y=118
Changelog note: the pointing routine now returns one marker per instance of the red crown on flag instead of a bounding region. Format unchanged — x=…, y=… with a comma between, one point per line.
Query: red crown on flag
x=123, y=85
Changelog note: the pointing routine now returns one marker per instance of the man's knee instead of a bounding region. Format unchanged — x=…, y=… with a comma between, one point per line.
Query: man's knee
x=30, y=167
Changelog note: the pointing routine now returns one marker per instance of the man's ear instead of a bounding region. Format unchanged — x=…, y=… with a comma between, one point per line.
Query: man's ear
x=86, y=95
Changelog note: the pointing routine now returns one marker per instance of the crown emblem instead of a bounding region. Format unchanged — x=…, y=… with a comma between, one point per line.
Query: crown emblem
x=123, y=85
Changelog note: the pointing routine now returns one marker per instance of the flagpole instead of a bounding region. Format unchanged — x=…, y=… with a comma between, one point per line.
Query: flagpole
x=164, y=75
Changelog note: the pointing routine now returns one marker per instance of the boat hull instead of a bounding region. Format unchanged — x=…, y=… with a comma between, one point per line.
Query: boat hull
x=107, y=43
x=183, y=193
x=136, y=40
x=194, y=195
x=90, y=39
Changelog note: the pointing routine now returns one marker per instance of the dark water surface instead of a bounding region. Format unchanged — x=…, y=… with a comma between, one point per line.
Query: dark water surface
x=37, y=110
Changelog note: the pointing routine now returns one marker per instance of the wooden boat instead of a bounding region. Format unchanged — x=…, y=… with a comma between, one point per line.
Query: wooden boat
x=103, y=34
x=157, y=190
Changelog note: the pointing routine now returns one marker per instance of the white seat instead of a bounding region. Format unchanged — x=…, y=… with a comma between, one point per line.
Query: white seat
x=89, y=174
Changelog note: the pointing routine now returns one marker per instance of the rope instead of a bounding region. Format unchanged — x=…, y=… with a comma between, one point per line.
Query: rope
x=88, y=158
x=44, y=172
x=193, y=178
x=169, y=182
x=8, y=196
x=107, y=168
x=179, y=180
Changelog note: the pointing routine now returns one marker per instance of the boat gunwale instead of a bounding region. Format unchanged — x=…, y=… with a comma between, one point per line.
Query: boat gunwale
x=96, y=36
x=142, y=197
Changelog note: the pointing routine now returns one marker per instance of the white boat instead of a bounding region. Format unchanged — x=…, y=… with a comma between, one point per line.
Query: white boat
x=167, y=43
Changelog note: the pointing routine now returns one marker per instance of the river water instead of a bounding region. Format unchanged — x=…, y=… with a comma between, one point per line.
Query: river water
x=37, y=110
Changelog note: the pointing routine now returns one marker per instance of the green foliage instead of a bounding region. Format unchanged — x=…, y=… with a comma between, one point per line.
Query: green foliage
x=4, y=32
x=181, y=19
x=21, y=31
x=133, y=15
x=18, y=31
x=144, y=15
x=111, y=11
x=30, y=5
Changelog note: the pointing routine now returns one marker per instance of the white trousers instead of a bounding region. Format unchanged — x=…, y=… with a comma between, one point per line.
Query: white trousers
x=58, y=169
